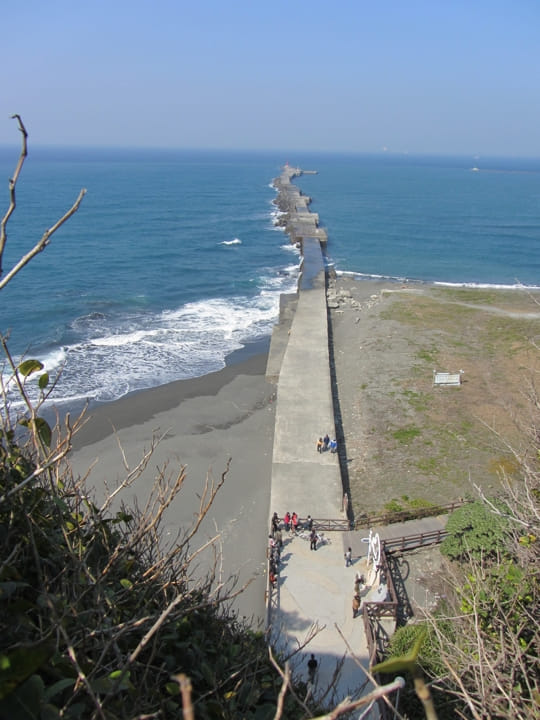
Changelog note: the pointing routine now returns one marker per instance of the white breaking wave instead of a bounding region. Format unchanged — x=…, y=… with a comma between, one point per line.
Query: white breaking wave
x=488, y=286
x=291, y=248
x=236, y=241
x=143, y=350
x=438, y=283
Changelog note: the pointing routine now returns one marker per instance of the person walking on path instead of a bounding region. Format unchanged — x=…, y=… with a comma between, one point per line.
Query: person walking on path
x=326, y=441
x=312, y=668
x=319, y=444
x=333, y=446
x=309, y=523
x=348, y=557
x=355, y=605
x=278, y=538
x=275, y=522
x=294, y=523
x=313, y=540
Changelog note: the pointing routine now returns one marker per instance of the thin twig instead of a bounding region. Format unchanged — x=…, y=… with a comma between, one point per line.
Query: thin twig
x=12, y=186
x=42, y=244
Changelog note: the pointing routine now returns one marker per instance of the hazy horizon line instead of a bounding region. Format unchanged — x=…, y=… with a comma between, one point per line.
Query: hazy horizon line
x=264, y=151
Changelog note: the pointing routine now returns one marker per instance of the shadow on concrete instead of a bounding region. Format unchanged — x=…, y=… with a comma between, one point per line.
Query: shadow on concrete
x=340, y=434
x=292, y=622
x=332, y=672
x=399, y=570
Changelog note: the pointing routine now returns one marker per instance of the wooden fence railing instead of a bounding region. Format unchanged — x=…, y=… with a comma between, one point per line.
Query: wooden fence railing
x=372, y=612
x=389, y=518
x=411, y=542
x=331, y=524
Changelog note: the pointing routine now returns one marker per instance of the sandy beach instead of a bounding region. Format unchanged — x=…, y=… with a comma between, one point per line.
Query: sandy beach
x=401, y=440
x=203, y=422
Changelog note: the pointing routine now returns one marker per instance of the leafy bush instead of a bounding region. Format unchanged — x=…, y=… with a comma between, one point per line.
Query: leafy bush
x=428, y=661
x=393, y=506
x=429, y=657
x=475, y=529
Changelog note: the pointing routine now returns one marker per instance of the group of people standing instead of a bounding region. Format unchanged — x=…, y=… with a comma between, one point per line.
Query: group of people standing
x=291, y=522
x=324, y=444
x=275, y=545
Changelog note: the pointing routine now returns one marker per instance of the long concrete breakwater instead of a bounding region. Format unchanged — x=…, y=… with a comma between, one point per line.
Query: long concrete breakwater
x=299, y=221
x=303, y=480
x=309, y=597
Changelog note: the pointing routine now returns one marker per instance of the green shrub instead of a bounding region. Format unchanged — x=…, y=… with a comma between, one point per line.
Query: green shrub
x=420, y=503
x=476, y=530
x=430, y=663
x=429, y=658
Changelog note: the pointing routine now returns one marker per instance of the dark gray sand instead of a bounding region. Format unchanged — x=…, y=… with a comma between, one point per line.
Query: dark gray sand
x=202, y=423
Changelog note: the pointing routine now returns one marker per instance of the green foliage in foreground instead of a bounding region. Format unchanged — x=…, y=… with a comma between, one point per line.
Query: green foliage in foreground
x=79, y=591
x=421, y=637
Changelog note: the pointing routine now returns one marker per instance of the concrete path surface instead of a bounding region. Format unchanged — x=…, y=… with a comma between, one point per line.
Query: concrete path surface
x=315, y=589
x=314, y=592
x=311, y=606
x=303, y=480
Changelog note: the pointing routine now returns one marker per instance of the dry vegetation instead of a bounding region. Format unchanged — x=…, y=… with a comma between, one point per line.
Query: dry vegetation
x=407, y=440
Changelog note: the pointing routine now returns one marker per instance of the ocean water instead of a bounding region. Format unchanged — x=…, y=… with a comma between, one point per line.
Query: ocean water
x=173, y=261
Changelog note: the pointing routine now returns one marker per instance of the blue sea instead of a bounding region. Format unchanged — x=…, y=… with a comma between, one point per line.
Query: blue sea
x=174, y=261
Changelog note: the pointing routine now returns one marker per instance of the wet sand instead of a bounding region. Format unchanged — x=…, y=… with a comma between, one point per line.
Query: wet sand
x=203, y=422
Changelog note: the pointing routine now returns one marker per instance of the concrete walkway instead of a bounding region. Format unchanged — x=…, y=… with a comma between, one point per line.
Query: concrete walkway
x=314, y=595
x=303, y=480
x=315, y=589
x=311, y=607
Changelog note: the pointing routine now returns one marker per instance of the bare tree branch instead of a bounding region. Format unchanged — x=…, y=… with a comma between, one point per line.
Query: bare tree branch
x=12, y=186
x=42, y=244
x=45, y=239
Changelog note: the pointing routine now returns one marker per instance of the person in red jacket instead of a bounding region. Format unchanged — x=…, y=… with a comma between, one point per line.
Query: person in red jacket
x=287, y=521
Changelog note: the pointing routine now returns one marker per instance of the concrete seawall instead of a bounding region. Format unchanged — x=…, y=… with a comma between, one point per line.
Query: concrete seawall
x=303, y=480
x=310, y=601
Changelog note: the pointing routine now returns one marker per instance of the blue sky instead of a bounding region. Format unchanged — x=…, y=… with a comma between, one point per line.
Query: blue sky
x=418, y=76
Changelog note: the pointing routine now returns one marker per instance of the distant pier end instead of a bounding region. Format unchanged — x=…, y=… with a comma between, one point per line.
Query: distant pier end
x=297, y=220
